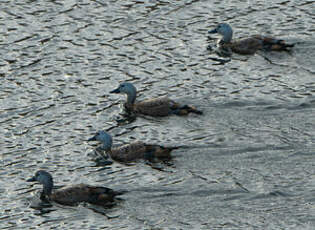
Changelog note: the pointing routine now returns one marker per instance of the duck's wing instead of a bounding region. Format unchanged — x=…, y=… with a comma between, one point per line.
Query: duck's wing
x=83, y=193
x=128, y=152
x=158, y=151
x=164, y=106
x=271, y=43
x=245, y=46
x=161, y=106
x=139, y=150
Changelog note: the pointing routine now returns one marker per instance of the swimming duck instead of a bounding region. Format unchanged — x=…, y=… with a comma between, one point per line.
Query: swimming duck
x=248, y=45
x=131, y=152
x=161, y=106
x=74, y=194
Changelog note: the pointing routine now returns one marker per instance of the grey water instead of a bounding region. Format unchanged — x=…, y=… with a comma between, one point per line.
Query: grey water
x=246, y=163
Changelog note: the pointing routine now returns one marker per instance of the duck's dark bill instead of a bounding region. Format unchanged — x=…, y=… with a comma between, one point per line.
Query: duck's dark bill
x=31, y=179
x=92, y=138
x=115, y=91
x=213, y=31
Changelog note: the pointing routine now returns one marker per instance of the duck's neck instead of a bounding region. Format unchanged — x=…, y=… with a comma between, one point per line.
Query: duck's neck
x=131, y=98
x=227, y=37
x=47, y=190
x=106, y=147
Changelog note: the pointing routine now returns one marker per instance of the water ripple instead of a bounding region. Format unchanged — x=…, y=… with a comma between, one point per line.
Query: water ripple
x=248, y=159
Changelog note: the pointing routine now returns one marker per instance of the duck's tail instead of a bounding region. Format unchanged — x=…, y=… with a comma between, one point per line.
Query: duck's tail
x=158, y=151
x=170, y=148
x=186, y=109
x=281, y=45
x=274, y=44
x=102, y=195
x=119, y=192
x=107, y=192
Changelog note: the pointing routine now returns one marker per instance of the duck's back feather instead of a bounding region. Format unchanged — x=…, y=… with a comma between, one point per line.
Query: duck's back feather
x=83, y=193
x=271, y=43
x=139, y=150
x=159, y=107
x=128, y=152
x=246, y=46
x=257, y=42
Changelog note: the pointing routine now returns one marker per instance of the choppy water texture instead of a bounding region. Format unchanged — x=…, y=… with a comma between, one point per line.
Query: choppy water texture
x=249, y=160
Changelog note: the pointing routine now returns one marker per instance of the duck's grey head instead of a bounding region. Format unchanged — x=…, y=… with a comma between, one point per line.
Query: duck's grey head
x=41, y=176
x=44, y=178
x=104, y=138
x=129, y=89
x=225, y=30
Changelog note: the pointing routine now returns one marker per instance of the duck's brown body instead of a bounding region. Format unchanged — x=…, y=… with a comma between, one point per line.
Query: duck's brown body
x=255, y=43
x=74, y=194
x=139, y=150
x=162, y=106
x=248, y=45
x=83, y=193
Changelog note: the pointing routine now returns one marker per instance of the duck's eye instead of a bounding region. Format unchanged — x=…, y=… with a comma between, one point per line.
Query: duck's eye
x=122, y=86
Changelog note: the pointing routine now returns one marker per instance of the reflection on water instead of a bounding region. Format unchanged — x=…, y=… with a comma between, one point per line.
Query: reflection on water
x=248, y=159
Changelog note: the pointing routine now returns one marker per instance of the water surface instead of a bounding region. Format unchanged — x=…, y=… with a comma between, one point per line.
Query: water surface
x=248, y=162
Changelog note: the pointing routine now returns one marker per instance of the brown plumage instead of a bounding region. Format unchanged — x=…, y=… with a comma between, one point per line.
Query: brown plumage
x=139, y=150
x=161, y=106
x=75, y=194
x=257, y=42
x=248, y=45
x=131, y=152
x=83, y=193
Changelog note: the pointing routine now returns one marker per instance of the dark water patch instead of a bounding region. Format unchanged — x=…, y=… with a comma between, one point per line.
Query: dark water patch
x=271, y=194
x=279, y=193
x=303, y=153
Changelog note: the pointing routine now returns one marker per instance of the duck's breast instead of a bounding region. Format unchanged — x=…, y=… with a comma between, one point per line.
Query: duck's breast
x=129, y=152
x=155, y=107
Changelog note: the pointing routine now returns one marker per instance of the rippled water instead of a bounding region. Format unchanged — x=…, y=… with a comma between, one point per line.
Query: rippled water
x=248, y=162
